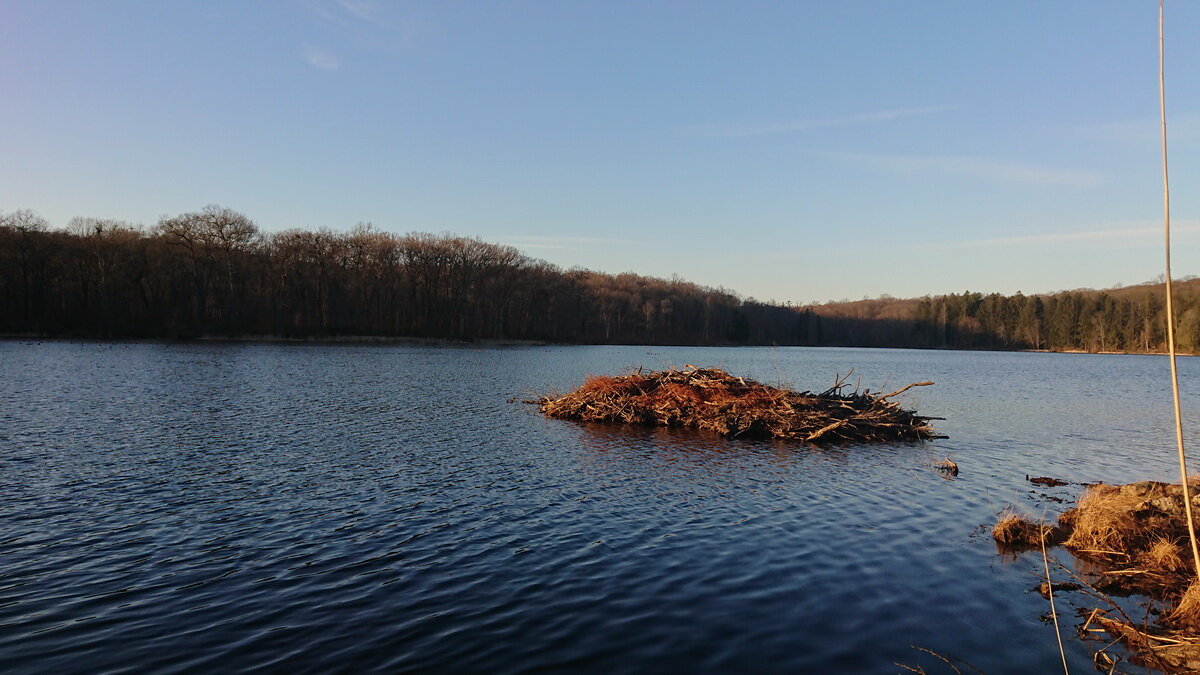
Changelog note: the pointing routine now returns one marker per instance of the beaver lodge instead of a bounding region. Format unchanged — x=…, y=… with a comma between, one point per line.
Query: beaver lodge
x=713, y=400
x=1134, y=540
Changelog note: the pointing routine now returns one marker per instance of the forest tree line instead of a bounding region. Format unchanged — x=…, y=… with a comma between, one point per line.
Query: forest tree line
x=214, y=273
x=1130, y=320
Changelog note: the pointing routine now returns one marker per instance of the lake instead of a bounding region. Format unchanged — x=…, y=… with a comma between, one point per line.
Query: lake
x=308, y=507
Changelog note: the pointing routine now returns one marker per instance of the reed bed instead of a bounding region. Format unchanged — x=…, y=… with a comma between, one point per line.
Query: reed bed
x=713, y=400
x=1135, y=536
x=1136, y=532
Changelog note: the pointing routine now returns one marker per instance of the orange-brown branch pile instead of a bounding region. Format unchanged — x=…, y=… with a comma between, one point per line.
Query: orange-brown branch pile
x=714, y=400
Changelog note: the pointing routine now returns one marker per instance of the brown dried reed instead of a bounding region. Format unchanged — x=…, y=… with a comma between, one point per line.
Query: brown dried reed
x=1186, y=614
x=1133, y=533
x=1165, y=555
x=1014, y=532
x=1138, y=522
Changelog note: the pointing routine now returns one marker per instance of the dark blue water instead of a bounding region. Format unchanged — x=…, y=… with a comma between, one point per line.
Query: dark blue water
x=344, y=507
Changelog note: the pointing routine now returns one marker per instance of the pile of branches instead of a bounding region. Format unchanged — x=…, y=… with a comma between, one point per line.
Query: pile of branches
x=713, y=400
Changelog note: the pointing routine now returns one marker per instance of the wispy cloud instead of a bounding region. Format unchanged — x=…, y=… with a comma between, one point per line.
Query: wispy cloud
x=976, y=167
x=1144, y=230
x=367, y=22
x=363, y=10
x=739, y=130
x=321, y=58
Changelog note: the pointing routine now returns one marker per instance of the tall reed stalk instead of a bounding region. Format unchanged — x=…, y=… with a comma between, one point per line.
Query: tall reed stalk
x=1183, y=474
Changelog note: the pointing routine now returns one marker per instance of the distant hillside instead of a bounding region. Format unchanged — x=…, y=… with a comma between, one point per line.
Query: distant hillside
x=1127, y=319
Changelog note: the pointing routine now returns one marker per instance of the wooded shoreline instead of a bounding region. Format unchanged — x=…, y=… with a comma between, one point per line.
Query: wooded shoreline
x=494, y=343
x=213, y=274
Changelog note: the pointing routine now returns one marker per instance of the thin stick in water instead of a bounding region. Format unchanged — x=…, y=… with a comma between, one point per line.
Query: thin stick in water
x=1050, y=595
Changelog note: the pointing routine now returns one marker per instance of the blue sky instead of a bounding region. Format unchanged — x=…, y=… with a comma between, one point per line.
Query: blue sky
x=797, y=151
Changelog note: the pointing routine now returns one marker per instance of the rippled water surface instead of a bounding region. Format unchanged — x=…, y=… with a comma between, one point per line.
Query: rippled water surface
x=314, y=507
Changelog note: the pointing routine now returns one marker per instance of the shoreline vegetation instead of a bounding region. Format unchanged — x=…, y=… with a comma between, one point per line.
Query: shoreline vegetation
x=711, y=399
x=494, y=342
x=1129, y=540
x=276, y=339
x=212, y=274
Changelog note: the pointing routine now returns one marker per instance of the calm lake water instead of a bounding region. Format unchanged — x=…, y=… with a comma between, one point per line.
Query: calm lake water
x=361, y=507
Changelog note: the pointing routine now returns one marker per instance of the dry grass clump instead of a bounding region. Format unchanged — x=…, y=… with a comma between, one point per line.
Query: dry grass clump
x=1135, y=522
x=1014, y=532
x=713, y=400
x=1186, y=614
x=1103, y=522
x=1165, y=555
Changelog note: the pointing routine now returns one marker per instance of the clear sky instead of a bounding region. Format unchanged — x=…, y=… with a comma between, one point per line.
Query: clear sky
x=795, y=151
